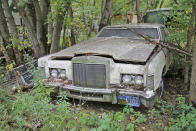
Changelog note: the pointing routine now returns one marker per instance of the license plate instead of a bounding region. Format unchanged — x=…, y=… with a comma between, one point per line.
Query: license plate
x=129, y=100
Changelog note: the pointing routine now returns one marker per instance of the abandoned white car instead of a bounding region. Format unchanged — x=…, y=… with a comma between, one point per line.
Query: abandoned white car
x=116, y=66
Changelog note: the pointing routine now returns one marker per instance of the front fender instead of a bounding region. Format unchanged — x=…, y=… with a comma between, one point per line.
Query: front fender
x=156, y=67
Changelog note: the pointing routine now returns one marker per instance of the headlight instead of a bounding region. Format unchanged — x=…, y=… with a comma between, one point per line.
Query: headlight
x=132, y=79
x=127, y=79
x=54, y=73
x=62, y=74
x=138, y=80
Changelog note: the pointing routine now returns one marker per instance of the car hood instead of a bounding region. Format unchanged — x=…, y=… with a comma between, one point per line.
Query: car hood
x=121, y=49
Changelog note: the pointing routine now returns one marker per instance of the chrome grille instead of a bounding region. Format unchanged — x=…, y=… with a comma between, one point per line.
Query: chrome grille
x=89, y=75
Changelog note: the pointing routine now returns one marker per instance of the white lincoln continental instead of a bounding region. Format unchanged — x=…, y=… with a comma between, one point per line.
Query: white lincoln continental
x=116, y=66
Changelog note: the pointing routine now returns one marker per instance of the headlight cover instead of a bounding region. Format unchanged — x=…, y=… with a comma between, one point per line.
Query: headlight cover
x=58, y=73
x=126, y=79
x=132, y=79
x=138, y=80
x=54, y=73
x=62, y=74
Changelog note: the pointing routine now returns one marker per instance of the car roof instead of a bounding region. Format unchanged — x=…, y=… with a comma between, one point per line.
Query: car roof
x=158, y=10
x=148, y=25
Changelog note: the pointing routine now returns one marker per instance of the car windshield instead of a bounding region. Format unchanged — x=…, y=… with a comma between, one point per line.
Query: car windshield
x=123, y=32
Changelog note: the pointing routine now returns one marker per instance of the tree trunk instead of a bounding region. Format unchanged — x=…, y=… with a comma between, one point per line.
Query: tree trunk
x=64, y=37
x=50, y=33
x=56, y=36
x=102, y=6
x=130, y=14
x=105, y=19
x=139, y=20
x=45, y=6
x=45, y=9
x=72, y=37
x=10, y=18
x=31, y=32
x=3, y=49
x=39, y=26
x=193, y=74
x=188, y=48
x=5, y=34
x=31, y=15
x=12, y=29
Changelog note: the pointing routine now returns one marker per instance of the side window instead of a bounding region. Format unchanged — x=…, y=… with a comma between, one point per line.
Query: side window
x=163, y=34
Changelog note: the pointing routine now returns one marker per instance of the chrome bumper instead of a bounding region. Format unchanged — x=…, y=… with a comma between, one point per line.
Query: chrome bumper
x=101, y=94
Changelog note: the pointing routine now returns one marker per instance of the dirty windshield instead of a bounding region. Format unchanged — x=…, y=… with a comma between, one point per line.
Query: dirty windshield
x=122, y=32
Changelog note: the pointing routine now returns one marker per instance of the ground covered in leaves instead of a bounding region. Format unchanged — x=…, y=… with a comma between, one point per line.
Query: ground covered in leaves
x=35, y=109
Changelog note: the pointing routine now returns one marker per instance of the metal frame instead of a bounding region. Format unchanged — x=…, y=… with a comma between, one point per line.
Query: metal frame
x=12, y=80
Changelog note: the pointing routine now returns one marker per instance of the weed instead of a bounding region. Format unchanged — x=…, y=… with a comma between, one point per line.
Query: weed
x=93, y=120
x=138, y=116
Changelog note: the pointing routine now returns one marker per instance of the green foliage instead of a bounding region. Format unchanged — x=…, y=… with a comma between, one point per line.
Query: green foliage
x=119, y=116
x=59, y=9
x=177, y=26
x=181, y=117
x=35, y=109
x=105, y=123
x=26, y=111
x=22, y=44
x=185, y=116
x=22, y=3
x=130, y=127
x=5, y=97
x=93, y=120
x=40, y=89
x=139, y=117
x=83, y=117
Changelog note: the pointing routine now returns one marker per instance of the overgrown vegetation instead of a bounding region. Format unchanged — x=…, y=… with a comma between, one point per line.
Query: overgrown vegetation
x=35, y=109
x=27, y=111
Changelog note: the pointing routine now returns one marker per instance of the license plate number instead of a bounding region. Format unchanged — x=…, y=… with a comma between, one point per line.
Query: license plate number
x=129, y=100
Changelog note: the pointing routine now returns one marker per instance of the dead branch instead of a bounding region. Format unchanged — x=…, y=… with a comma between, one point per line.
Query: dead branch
x=167, y=45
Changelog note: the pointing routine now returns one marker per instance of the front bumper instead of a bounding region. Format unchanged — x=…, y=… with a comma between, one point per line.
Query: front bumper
x=104, y=94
